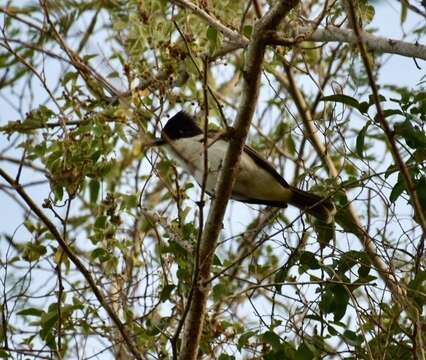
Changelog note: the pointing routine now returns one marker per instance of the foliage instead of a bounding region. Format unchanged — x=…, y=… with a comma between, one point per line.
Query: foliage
x=87, y=85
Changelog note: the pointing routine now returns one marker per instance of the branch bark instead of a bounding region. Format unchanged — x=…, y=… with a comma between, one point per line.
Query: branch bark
x=233, y=36
x=412, y=309
x=76, y=261
x=411, y=188
x=251, y=84
x=372, y=42
x=310, y=33
x=311, y=132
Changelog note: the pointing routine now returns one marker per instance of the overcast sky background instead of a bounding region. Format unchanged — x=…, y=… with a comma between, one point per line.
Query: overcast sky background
x=398, y=70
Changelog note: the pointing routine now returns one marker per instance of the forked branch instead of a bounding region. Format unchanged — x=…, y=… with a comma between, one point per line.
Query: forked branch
x=251, y=83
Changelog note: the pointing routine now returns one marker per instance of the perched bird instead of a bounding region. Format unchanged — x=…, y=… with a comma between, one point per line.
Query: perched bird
x=257, y=181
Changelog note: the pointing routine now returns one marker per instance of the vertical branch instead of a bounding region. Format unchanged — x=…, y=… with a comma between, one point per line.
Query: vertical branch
x=251, y=84
x=311, y=132
x=409, y=184
x=390, y=135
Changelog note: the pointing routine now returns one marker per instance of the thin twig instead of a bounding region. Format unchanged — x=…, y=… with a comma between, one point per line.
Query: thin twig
x=311, y=133
x=390, y=135
x=409, y=184
x=232, y=35
x=251, y=85
x=76, y=261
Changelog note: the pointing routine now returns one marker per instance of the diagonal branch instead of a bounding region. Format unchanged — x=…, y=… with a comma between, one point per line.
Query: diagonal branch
x=76, y=261
x=330, y=33
x=412, y=309
x=310, y=33
x=233, y=36
x=354, y=225
x=390, y=135
x=251, y=84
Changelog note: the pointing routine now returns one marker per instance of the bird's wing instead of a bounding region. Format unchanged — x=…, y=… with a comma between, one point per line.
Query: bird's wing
x=260, y=161
x=254, y=155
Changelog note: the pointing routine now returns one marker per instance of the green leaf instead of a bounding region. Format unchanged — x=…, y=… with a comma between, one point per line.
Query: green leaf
x=244, y=338
x=113, y=75
x=366, y=11
x=100, y=222
x=371, y=99
x=247, y=31
x=362, y=280
x=101, y=254
x=351, y=258
x=404, y=7
x=166, y=291
x=347, y=261
x=413, y=135
x=272, y=339
x=344, y=99
x=48, y=320
x=363, y=107
x=334, y=300
x=226, y=357
x=33, y=252
x=364, y=270
x=89, y=57
x=31, y=312
x=390, y=112
x=304, y=352
x=341, y=300
x=420, y=155
x=59, y=192
x=326, y=302
x=421, y=191
x=129, y=201
x=352, y=338
x=418, y=280
x=280, y=277
x=213, y=38
x=332, y=330
x=220, y=290
x=216, y=261
x=212, y=34
x=308, y=259
x=4, y=354
x=397, y=191
x=360, y=140
x=290, y=144
x=325, y=232
x=94, y=187
x=68, y=77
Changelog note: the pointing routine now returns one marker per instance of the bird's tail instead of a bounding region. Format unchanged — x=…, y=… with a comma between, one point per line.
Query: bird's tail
x=314, y=205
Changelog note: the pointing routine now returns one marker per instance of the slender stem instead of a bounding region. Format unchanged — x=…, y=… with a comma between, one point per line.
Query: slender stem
x=76, y=261
x=312, y=134
x=409, y=184
x=251, y=84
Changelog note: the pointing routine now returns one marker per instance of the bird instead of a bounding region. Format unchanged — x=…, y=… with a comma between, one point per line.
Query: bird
x=257, y=181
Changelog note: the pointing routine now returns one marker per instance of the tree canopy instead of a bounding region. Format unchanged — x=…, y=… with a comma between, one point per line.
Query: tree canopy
x=109, y=250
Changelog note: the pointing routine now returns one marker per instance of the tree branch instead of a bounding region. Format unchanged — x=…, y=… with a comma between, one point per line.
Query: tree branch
x=311, y=133
x=233, y=36
x=412, y=309
x=251, y=85
x=310, y=33
x=372, y=42
x=409, y=184
x=76, y=261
